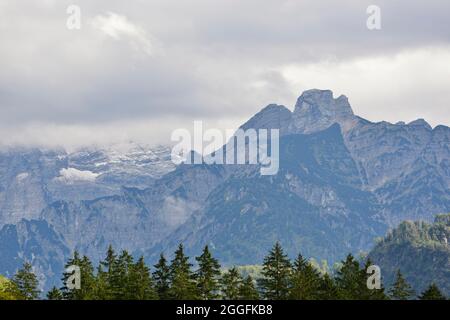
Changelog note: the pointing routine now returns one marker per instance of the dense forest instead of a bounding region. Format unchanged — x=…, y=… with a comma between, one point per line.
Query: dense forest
x=420, y=249
x=120, y=277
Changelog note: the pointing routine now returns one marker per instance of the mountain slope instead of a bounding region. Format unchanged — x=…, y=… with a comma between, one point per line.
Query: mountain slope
x=420, y=250
x=32, y=178
x=313, y=205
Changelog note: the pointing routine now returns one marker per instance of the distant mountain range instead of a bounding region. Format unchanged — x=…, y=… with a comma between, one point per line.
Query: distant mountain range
x=343, y=181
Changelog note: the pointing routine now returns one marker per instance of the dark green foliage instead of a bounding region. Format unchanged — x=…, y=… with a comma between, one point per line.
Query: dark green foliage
x=421, y=250
x=207, y=276
x=183, y=286
x=86, y=275
x=327, y=288
x=26, y=282
x=351, y=281
x=276, y=274
x=121, y=277
x=247, y=289
x=231, y=283
x=432, y=293
x=305, y=281
x=54, y=294
x=161, y=275
x=140, y=283
x=401, y=290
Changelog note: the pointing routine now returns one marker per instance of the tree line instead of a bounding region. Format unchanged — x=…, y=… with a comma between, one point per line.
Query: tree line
x=120, y=277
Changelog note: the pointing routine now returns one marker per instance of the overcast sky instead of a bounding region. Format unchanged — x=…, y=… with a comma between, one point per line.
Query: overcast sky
x=138, y=69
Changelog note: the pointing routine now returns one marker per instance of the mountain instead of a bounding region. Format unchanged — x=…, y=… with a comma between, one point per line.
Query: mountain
x=34, y=241
x=314, y=205
x=33, y=178
x=342, y=182
x=420, y=250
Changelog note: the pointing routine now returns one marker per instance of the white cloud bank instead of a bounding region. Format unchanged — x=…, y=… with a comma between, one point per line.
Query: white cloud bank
x=139, y=69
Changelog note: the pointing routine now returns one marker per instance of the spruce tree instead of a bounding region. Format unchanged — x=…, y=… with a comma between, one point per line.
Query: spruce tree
x=305, y=280
x=106, y=271
x=247, y=289
x=26, y=282
x=141, y=285
x=371, y=294
x=66, y=290
x=161, y=276
x=231, y=283
x=183, y=286
x=349, y=280
x=88, y=282
x=276, y=274
x=327, y=288
x=54, y=294
x=432, y=293
x=207, y=275
x=119, y=281
x=87, y=289
x=401, y=290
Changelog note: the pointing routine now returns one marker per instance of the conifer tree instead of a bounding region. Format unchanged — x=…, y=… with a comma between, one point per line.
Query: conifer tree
x=54, y=294
x=26, y=282
x=105, y=276
x=247, y=289
x=68, y=292
x=183, y=286
x=349, y=280
x=327, y=288
x=231, y=283
x=305, y=280
x=276, y=274
x=119, y=281
x=432, y=293
x=87, y=288
x=88, y=283
x=368, y=293
x=401, y=290
x=207, y=275
x=141, y=285
x=161, y=276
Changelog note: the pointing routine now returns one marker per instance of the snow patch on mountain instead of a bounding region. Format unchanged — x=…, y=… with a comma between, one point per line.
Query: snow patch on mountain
x=22, y=176
x=72, y=175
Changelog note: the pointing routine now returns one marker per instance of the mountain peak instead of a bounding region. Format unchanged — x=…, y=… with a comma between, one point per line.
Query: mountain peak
x=318, y=109
x=324, y=101
x=420, y=122
x=273, y=116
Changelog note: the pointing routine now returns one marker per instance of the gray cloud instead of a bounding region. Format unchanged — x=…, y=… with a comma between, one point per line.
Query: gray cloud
x=147, y=66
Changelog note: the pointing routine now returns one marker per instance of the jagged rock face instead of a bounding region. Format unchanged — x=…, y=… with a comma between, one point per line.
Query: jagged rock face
x=135, y=219
x=317, y=110
x=36, y=242
x=31, y=179
x=383, y=150
x=271, y=117
x=313, y=205
x=405, y=165
x=423, y=184
x=24, y=174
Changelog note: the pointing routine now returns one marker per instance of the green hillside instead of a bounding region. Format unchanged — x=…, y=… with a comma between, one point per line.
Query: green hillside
x=420, y=250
